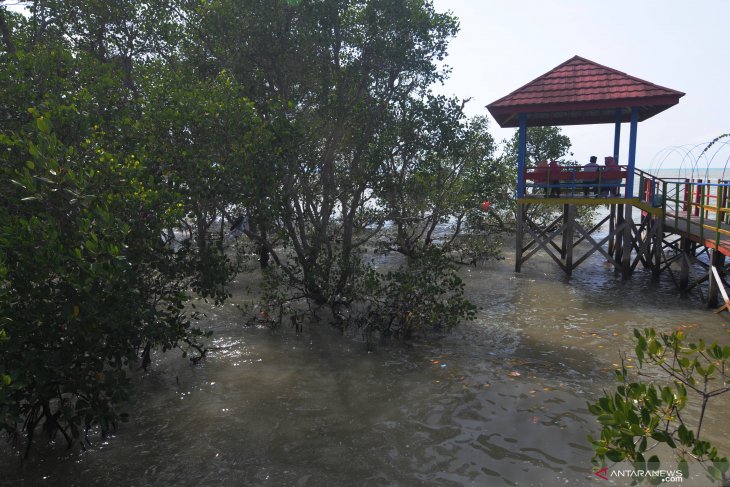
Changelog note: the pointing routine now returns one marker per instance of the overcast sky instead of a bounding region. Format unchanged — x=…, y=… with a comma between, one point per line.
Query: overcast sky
x=679, y=44
x=683, y=45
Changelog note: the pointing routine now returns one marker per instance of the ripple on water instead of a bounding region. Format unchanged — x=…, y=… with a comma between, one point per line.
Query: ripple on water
x=501, y=401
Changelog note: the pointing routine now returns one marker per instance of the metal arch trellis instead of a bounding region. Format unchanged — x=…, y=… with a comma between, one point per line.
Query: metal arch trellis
x=698, y=161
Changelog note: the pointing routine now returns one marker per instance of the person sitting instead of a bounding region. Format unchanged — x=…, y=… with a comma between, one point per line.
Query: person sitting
x=609, y=184
x=590, y=167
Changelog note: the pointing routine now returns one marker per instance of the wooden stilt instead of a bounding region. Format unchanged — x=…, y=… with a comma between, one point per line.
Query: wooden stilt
x=656, y=237
x=566, y=222
x=519, y=237
x=618, y=241
x=684, y=261
x=626, y=244
x=611, y=228
x=717, y=261
x=568, y=237
x=657, y=247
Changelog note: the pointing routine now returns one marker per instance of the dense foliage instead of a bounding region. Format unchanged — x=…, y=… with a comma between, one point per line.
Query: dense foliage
x=89, y=283
x=134, y=134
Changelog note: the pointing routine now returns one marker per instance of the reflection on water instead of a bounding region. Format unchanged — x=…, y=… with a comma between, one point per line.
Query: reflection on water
x=501, y=401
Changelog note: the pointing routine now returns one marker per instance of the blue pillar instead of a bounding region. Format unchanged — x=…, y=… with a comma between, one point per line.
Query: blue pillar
x=521, y=151
x=632, y=151
x=617, y=135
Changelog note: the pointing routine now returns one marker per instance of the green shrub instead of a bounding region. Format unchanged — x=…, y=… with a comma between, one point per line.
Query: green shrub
x=640, y=415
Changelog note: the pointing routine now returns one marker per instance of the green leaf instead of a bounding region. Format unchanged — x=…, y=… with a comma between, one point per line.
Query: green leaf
x=645, y=416
x=667, y=395
x=594, y=409
x=661, y=436
x=683, y=467
x=714, y=472
x=685, y=436
x=615, y=455
x=636, y=430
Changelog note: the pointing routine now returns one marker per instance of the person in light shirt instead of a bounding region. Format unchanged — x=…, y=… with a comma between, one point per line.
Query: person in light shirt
x=590, y=167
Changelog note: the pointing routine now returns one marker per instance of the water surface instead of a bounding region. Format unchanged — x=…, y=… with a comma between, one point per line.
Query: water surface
x=501, y=401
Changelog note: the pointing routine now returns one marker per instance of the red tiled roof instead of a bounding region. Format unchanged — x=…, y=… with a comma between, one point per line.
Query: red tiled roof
x=580, y=91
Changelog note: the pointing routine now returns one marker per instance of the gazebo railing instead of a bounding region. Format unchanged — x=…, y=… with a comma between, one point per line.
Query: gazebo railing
x=575, y=181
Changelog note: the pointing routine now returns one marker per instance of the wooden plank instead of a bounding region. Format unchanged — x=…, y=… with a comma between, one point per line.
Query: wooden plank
x=546, y=237
x=545, y=247
x=555, y=229
x=575, y=200
x=593, y=229
x=641, y=248
x=596, y=246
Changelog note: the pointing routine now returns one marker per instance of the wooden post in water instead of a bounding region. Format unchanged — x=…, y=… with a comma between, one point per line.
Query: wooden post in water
x=618, y=243
x=611, y=228
x=564, y=241
x=519, y=237
x=626, y=244
x=658, y=238
x=568, y=237
x=718, y=262
x=684, y=262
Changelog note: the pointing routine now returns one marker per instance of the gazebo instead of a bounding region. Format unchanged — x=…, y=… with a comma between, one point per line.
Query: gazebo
x=576, y=92
x=581, y=92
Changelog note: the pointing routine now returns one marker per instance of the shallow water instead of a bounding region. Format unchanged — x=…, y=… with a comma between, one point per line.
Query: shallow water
x=501, y=401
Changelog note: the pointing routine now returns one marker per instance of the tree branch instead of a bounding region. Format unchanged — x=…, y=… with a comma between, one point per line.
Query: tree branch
x=6, y=35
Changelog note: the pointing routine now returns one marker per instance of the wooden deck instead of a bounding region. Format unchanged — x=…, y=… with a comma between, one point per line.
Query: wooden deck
x=706, y=232
x=678, y=226
x=591, y=201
